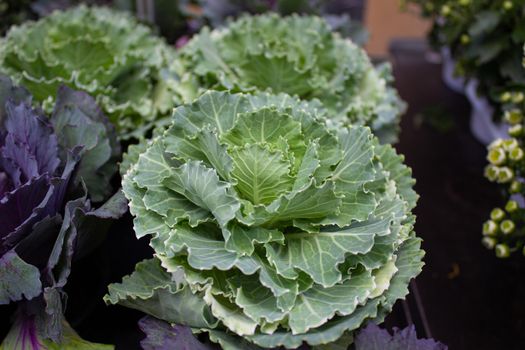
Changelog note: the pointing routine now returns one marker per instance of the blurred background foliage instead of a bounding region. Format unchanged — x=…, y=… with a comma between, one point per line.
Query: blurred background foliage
x=176, y=20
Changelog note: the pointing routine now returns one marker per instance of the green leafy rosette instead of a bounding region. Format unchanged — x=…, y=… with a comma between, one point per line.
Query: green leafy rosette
x=296, y=55
x=100, y=51
x=267, y=224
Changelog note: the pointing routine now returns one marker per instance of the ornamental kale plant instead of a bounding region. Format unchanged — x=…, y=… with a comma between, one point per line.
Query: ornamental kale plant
x=105, y=53
x=269, y=225
x=485, y=38
x=52, y=170
x=297, y=55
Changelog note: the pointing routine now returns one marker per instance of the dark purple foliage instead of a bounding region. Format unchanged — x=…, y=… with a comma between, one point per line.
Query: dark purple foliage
x=161, y=335
x=374, y=338
x=50, y=170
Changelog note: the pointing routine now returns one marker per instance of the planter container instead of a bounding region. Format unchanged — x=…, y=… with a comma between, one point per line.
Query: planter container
x=484, y=129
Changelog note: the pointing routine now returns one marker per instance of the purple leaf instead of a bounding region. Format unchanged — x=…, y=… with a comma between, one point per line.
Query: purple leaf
x=161, y=335
x=78, y=121
x=30, y=142
x=10, y=92
x=19, y=210
x=374, y=338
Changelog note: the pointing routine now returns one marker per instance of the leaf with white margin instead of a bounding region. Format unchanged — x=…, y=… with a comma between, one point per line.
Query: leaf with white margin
x=152, y=169
x=382, y=277
x=156, y=292
x=256, y=301
x=206, y=251
x=230, y=314
x=204, y=247
x=398, y=172
x=202, y=186
x=409, y=264
x=199, y=280
x=319, y=254
x=327, y=333
x=144, y=221
x=317, y=305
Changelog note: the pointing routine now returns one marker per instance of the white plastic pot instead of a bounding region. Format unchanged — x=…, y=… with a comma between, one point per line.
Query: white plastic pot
x=481, y=123
x=456, y=84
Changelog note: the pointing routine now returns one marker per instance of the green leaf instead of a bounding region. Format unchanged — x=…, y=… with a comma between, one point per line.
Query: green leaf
x=318, y=254
x=201, y=186
x=18, y=279
x=317, y=305
x=154, y=291
x=351, y=175
x=261, y=175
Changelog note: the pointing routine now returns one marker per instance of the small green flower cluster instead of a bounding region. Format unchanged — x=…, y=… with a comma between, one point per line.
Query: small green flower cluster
x=501, y=233
x=504, y=231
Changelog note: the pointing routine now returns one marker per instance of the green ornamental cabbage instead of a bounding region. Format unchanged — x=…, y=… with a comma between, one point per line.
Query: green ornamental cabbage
x=267, y=224
x=103, y=52
x=297, y=55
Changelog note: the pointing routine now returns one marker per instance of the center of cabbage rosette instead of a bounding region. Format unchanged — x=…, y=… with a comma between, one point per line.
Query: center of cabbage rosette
x=280, y=224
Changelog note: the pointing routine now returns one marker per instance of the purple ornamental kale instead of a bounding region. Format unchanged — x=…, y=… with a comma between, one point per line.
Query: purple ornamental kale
x=51, y=171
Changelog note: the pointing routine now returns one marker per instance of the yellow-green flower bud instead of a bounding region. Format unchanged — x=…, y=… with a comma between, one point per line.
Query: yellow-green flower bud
x=489, y=242
x=505, y=97
x=464, y=2
x=511, y=206
x=507, y=227
x=505, y=174
x=516, y=154
x=496, y=143
x=465, y=39
x=515, y=187
x=497, y=214
x=502, y=250
x=491, y=172
x=509, y=144
x=507, y=5
x=497, y=156
x=513, y=116
x=490, y=228
x=445, y=10
x=518, y=97
x=516, y=130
